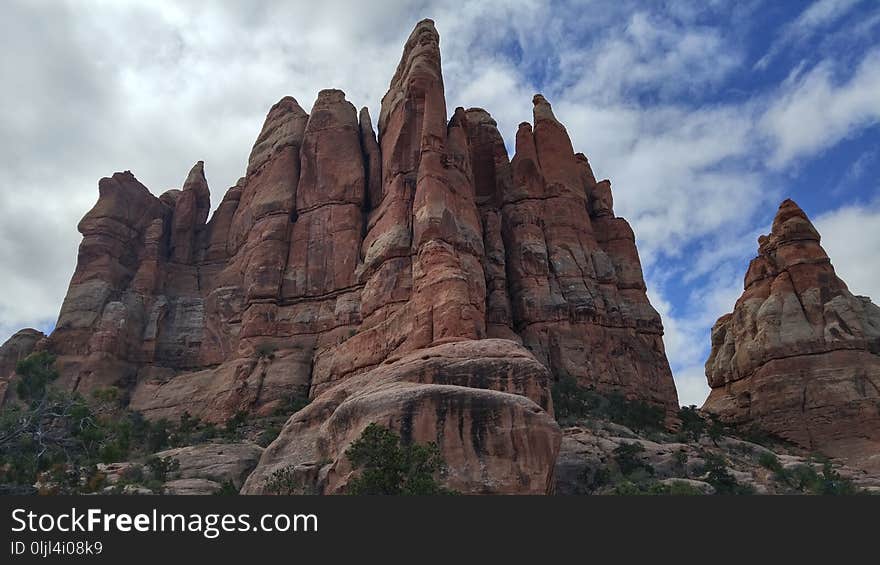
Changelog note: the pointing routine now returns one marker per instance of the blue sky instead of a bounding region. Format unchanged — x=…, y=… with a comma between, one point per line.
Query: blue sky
x=704, y=114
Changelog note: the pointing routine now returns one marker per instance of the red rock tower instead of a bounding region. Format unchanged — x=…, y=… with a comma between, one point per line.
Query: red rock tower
x=799, y=356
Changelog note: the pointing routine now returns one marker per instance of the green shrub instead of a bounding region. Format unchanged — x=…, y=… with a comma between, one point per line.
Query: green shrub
x=132, y=475
x=161, y=467
x=770, y=461
x=235, y=426
x=227, y=489
x=716, y=429
x=693, y=426
x=628, y=459
x=720, y=478
x=109, y=395
x=656, y=488
x=804, y=478
x=389, y=467
x=286, y=481
x=573, y=402
x=268, y=435
x=35, y=373
x=590, y=480
x=635, y=414
x=266, y=350
x=291, y=404
x=831, y=483
x=682, y=488
x=681, y=459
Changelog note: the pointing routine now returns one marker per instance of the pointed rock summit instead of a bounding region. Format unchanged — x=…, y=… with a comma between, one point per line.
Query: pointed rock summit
x=420, y=279
x=799, y=356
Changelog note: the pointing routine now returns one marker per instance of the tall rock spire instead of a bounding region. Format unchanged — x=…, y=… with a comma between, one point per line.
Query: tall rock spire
x=422, y=273
x=575, y=280
x=262, y=219
x=798, y=356
x=490, y=166
x=191, y=211
x=326, y=237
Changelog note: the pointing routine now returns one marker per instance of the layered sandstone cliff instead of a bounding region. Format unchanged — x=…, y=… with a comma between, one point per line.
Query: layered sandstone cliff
x=799, y=355
x=420, y=279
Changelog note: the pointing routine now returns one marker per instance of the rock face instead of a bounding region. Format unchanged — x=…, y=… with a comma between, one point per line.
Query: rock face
x=589, y=462
x=202, y=469
x=14, y=350
x=420, y=279
x=799, y=355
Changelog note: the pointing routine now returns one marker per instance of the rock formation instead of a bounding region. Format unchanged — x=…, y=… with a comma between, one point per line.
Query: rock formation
x=14, y=350
x=799, y=356
x=420, y=279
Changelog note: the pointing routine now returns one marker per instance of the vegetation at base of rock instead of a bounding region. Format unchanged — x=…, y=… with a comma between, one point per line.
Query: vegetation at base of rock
x=673, y=488
x=36, y=371
x=227, y=489
x=55, y=439
x=162, y=467
x=390, y=467
x=630, y=474
x=628, y=459
x=266, y=350
x=718, y=475
x=287, y=481
x=693, y=425
x=804, y=478
x=573, y=402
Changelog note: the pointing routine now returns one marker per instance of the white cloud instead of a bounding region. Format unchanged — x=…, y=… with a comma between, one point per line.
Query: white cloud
x=650, y=53
x=813, y=19
x=692, y=385
x=850, y=236
x=812, y=112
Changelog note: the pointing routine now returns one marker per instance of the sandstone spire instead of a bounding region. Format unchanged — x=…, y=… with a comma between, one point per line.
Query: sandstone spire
x=326, y=236
x=191, y=210
x=574, y=275
x=798, y=356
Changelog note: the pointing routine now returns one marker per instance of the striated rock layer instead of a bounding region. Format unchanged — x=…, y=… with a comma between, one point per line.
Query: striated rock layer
x=421, y=279
x=799, y=355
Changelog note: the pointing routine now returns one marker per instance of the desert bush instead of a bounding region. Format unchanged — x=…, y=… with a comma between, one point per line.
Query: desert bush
x=573, y=402
x=390, y=467
x=35, y=373
x=227, y=489
x=718, y=475
x=693, y=426
x=162, y=467
x=286, y=481
x=627, y=456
